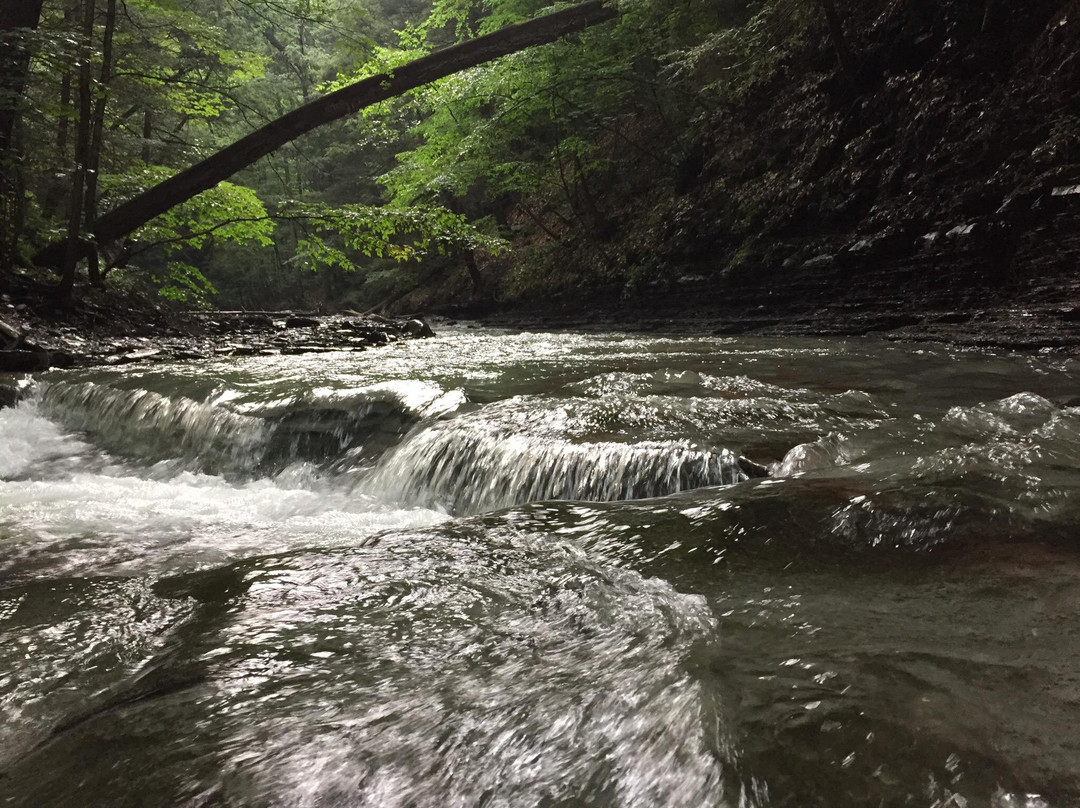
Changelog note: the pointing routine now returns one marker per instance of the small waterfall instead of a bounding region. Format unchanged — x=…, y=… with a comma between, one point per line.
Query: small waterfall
x=469, y=466
x=345, y=429
x=157, y=427
x=333, y=428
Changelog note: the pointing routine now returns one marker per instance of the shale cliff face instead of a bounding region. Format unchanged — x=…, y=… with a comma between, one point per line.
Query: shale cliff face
x=930, y=186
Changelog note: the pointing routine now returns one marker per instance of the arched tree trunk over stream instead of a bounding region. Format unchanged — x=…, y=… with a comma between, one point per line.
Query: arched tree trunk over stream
x=128, y=217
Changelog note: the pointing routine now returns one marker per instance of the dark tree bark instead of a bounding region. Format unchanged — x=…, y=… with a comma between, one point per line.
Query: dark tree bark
x=75, y=246
x=97, y=130
x=474, y=274
x=53, y=200
x=147, y=133
x=17, y=19
x=133, y=214
x=64, y=124
x=20, y=14
x=18, y=200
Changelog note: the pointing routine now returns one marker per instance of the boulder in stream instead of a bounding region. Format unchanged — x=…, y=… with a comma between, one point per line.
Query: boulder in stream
x=10, y=392
x=10, y=337
x=418, y=328
x=24, y=361
x=821, y=454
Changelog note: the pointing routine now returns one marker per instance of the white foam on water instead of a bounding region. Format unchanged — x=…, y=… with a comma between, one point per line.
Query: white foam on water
x=470, y=471
x=72, y=508
x=29, y=440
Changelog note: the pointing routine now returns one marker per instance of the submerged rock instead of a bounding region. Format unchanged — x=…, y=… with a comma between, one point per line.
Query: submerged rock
x=752, y=469
x=133, y=356
x=819, y=261
x=24, y=361
x=821, y=454
x=10, y=337
x=10, y=392
x=63, y=359
x=418, y=328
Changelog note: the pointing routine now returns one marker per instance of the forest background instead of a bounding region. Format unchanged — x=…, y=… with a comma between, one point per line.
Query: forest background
x=685, y=143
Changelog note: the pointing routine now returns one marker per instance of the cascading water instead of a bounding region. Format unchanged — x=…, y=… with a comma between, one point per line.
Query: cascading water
x=533, y=570
x=519, y=451
x=157, y=426
x=223, y=434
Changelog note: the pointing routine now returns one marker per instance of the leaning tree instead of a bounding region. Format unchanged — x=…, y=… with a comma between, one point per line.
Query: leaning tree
x=123, y=220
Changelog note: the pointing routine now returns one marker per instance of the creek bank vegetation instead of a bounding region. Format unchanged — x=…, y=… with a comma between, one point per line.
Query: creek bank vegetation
x=793, y=166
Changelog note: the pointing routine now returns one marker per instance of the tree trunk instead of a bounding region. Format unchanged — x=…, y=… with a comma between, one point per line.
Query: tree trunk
x=97, y=131
x=147, y=133
x=63, y=126
x=52, y=202
x=18, y=198
x=133, y=214
x=474, y=274
x=75, y=248
x=17, y=19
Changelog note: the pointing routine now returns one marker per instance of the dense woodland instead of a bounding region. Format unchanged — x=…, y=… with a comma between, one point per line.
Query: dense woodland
x=678, y=140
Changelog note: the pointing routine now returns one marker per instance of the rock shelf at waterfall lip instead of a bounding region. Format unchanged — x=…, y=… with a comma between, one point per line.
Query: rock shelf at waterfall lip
x=694, y=312
x=105, y=332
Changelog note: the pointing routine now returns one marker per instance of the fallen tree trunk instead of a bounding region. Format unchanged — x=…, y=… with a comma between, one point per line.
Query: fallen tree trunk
x=133, y=214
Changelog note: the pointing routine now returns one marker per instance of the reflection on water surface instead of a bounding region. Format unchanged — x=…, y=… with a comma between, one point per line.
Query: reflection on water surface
x=537, y=570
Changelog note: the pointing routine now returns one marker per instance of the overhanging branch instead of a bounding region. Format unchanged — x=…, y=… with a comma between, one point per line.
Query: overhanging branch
x=202, y=176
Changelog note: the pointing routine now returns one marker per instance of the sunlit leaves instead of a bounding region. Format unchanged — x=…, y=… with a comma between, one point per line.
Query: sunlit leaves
x=504, y=126
x=337, y=237
x=184, y=283
x=226, y=212
x=380, y=60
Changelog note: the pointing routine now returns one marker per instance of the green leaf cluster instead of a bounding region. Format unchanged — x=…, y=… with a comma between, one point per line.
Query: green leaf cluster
x=555, y=149
x=336, y=237
x=226, y=212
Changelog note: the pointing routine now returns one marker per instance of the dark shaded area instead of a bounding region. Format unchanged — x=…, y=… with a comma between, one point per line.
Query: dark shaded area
x=107, y=328
x=931, y=190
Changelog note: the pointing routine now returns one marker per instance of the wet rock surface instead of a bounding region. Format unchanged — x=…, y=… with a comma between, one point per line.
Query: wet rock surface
x=1002, y=280
x=103, y=331
x=933, y=195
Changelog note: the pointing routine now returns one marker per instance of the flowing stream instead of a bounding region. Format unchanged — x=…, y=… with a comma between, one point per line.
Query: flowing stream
x=493, y=569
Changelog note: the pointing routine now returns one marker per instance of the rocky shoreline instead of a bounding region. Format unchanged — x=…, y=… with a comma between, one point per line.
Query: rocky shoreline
x=109, y=335
x=1010, y=328
x=817, y=298
x=1006, y=280
x=117, y=332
